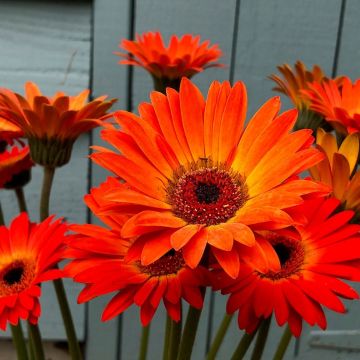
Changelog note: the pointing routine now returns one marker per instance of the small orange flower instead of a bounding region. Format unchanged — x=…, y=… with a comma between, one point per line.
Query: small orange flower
x=336, y=170
x=184, y=56
x=28, y=255
x=197, y=179
x=52, y=124
x=313, y=260
x=293, y=83
x=340, y=107
x=15, y=165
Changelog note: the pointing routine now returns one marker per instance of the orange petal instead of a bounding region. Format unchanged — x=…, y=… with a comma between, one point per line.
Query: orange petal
x=241, y=233
x=194, y=249
x=219, y=237
x=182, y=236
x=228, y=260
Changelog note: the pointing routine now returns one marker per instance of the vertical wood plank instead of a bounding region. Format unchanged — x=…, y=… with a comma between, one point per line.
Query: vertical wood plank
x=110, y=25
x=49, y=43
x=205, y=18
x=272, y=33
x=342, y=333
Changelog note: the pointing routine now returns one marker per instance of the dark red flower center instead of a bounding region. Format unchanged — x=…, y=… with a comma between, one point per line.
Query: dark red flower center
x=209, y=195
x=291, y=256
x=16, y=277
x=168, y=264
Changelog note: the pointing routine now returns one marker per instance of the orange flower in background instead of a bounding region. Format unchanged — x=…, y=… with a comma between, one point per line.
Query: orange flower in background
x=15, y=165
x=185, y=56
x=103, y=261
x=340, y=107
x=298, y=79
x=52, y=124
x=197, y=179
x=336, y=170
x=313, y=260
x=28, y=255
x=293, y=83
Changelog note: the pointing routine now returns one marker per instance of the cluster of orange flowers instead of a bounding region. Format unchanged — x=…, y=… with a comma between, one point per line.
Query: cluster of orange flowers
x=196, y=198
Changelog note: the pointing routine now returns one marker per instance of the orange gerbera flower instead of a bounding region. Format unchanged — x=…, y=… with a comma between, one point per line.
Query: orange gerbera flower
x=312, y=260
x=102, y=260
x=52, y=124
x=184, y=56
x=15, y=165
x=196, y=178
x=340, y=107
x=336, y=170
x=28, y=255
x=293, y=83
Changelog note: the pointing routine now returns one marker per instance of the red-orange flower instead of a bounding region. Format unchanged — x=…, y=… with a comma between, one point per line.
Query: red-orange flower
x=324, y=250
x=52, y=124
x=197, y=179
x=293, y=83
x=28, y=255
x=15, y=165
x=102, y=260
x=341, y=107
x=184, y=56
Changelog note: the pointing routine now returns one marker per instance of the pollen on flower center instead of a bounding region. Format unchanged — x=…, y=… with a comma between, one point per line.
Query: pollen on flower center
x=16, y=276
x=206, y=194
x=168, y=264
x=291, y=256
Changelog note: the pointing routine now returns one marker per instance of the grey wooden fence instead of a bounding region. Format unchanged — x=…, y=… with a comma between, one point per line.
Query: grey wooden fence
x=255, y=35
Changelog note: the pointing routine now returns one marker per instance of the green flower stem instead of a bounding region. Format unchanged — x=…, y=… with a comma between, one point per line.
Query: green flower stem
x=175, y=335
x=45, y=192
x=261, y=339
x=2, y=220
x=21, y=199
x=144, y=342
x=283, y=344
x=74, y=347
x=219, y=337
x=167, y=338
x=243, y=346
x=36, y=342
x=19, y=342
x=189, y=334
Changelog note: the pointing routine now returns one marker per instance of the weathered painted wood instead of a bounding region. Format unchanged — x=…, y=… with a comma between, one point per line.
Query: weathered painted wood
x=172, y=17
x=342, y=338
x=111, y=18
x=272, y=33
x=49, y=43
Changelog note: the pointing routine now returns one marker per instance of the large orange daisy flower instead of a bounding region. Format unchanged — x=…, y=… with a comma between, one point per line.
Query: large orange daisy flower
x=15, y=165
x=340, y=107
x=337, y=169
x=196, y=178
x=292, y=84
x=105, y=262
x=184, y=56
x=28, y=255
x=52, y=124
x=312, y=261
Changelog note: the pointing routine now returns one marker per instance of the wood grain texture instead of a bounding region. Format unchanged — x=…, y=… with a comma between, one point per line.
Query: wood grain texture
x=49, y=43
x=111, y=18
x=272, y=33
x=197, y=17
